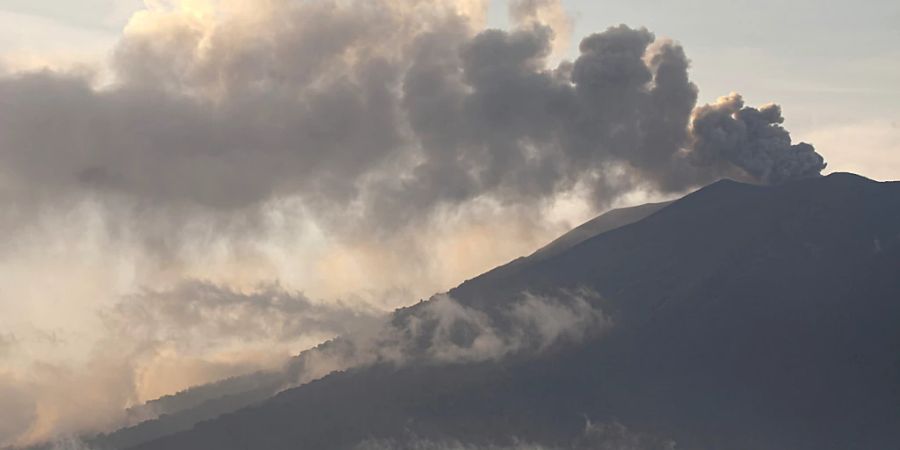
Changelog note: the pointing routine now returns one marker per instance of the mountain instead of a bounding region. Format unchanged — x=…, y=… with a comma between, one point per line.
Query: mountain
x=738, y=317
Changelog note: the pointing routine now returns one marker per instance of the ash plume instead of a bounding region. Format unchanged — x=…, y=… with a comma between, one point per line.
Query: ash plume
x=753, y=140
x=398, y=108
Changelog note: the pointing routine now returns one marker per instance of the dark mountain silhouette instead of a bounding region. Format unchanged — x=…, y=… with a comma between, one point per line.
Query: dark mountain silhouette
x=743, y=317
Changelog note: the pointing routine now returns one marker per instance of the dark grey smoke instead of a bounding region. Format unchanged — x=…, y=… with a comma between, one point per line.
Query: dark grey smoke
x=394, y=111
x=752, y=139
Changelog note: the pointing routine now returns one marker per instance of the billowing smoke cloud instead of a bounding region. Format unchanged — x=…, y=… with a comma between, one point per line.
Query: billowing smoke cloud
x=394, y=109
x=365, y=125
x=752, y=139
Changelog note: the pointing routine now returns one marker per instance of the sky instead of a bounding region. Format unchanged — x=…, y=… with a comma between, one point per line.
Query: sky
x=193, y=189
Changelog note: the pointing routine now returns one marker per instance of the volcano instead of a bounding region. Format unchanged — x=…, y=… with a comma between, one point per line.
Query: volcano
x=738, y=317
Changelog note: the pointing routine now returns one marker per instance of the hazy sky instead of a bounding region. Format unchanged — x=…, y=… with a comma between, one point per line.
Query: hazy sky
x=834, y=68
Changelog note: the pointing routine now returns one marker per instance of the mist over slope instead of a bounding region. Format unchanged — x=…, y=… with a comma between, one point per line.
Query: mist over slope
x=739, y=317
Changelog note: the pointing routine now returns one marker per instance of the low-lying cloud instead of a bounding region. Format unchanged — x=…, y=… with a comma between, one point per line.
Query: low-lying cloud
x=445, y=331
x=596, y=436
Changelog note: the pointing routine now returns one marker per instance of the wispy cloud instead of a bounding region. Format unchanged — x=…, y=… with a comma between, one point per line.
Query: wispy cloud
x=160, y=342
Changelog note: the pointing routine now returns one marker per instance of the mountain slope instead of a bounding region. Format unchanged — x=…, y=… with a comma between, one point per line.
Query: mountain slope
x=609, y=221
x=181, y=411
x=745, y=317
